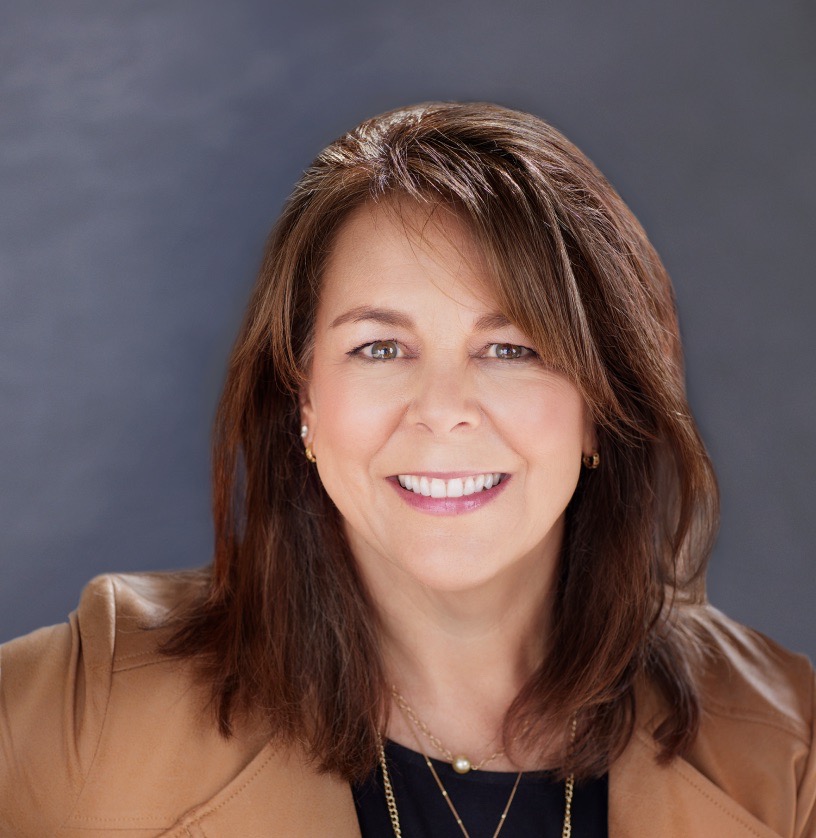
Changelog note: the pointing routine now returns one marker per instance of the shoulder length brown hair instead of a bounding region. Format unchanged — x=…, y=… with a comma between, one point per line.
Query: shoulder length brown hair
x=285, y=630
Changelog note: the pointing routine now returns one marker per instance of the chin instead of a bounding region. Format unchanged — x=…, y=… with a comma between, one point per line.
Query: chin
x=451, y=574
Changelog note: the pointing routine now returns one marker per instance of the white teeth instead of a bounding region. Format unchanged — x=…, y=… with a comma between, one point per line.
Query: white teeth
x=454, y=488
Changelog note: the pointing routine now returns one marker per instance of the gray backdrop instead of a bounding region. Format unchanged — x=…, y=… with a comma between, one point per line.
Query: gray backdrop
x=146, y=148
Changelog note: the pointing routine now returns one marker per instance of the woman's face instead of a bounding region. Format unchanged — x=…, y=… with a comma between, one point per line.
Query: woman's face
x=415, y=373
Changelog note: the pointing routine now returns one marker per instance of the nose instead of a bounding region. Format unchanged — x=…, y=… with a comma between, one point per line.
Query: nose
x=444, y=399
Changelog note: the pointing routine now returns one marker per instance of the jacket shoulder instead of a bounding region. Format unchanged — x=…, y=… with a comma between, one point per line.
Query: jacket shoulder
x=756, y=737
x=92, y=714
x=742, y=673
x=124, y=617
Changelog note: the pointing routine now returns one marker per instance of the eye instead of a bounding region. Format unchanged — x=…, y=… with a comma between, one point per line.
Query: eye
x=378, y=350
x=509, y=351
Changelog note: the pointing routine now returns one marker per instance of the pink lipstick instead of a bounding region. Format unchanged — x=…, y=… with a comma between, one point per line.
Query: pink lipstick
x=460, y=492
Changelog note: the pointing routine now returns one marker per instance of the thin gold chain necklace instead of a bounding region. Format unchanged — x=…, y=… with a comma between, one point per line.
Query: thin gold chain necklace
x=569, y=788
x=461, y=764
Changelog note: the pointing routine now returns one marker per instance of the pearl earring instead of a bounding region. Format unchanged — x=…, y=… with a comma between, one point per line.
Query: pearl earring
x=304, y=429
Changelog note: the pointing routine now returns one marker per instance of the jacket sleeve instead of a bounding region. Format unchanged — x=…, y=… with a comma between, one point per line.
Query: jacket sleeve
x=54, y=686
x=806, y=803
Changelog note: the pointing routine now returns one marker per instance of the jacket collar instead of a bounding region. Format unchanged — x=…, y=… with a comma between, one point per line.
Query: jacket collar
x=280, y=789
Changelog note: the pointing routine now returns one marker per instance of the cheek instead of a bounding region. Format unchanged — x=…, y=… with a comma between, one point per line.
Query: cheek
x=546, y=423
x=354, y=418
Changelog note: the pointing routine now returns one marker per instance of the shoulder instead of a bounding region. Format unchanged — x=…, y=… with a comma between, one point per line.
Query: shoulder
x=122, y=618
x=92, y=712
x=751, y=769
x=119, y=623
x=742, y=674
x=756, y=736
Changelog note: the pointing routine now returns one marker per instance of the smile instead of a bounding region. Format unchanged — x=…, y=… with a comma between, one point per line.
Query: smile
x=450, y=495
x=456, y=487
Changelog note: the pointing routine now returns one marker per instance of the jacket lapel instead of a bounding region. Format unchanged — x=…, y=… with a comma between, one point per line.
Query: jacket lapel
x=278, y=794
x=672, y=801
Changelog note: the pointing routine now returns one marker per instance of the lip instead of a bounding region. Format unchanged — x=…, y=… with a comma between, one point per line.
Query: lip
x=449, y=506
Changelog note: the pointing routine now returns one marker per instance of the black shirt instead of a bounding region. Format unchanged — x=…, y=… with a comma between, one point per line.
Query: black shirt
x=537, y=810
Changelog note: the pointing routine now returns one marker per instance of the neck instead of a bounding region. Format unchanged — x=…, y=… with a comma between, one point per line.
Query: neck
x=437, y=644
x=460, y=658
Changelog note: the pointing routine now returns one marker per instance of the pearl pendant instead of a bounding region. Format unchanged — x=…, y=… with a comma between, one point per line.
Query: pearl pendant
x=461, y=764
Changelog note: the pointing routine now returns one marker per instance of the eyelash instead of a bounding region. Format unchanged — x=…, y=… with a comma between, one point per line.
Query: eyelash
x=530, y=355
x=357, y=351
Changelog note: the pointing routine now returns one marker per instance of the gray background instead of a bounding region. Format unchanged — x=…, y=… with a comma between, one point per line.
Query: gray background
x=146, y=148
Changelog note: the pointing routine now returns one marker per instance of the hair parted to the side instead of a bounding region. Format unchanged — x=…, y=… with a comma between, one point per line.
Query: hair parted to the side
x=285, y=630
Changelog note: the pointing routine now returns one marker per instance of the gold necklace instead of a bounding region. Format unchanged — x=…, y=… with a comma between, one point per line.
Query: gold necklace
x=461, y=764
x=391, y=802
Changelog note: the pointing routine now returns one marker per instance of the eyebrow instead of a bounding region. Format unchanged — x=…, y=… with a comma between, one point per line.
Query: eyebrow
x=493, y=320
x=386, y=316
x=392, y=317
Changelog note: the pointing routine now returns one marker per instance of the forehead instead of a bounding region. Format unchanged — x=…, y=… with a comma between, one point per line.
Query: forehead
x=399, y=247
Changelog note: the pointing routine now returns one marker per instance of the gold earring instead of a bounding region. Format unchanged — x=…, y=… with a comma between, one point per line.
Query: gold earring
x=591, y=461
x=304, y=432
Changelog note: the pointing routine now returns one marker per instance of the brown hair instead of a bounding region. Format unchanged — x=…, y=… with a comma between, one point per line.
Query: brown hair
x=285, y=629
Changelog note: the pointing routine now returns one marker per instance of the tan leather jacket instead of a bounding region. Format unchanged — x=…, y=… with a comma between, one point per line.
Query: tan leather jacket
x=103, y=736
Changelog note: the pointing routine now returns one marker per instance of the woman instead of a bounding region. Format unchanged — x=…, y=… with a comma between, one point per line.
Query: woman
x=462, y=520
